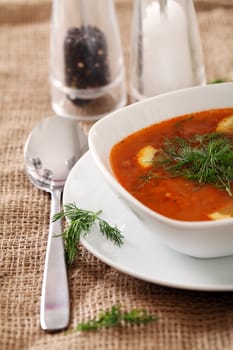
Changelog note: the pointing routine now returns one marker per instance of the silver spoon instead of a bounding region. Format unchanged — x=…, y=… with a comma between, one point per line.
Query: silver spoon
x=50, y=151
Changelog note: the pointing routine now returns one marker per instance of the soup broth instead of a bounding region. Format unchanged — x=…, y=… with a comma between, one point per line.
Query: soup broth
x=140, y=163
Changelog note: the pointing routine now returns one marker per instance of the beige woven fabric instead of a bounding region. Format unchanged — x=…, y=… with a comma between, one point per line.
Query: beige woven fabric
x=188, y=320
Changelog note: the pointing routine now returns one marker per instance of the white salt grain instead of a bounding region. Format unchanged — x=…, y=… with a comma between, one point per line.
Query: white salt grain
x=167, y=63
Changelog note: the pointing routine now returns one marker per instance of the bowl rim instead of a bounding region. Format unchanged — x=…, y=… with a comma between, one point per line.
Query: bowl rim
x=111, y=179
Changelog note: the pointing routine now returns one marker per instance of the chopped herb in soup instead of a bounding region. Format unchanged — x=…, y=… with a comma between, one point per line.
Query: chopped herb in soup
x=182, y=167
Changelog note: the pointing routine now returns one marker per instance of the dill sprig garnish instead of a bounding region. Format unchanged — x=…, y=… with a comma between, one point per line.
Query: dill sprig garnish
x=80, y=222
x=145, y=179
x=204, y=158
x=217, y=81
x=114, y=318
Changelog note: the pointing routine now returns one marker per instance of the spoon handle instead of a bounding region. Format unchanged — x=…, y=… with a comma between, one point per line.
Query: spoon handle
x=54, y=311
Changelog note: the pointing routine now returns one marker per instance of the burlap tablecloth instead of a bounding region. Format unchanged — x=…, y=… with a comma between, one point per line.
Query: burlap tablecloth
x=188, y=320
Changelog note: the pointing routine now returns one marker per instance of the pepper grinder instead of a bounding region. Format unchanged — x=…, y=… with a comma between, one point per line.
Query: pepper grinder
x=166, y=50
x=87, y=75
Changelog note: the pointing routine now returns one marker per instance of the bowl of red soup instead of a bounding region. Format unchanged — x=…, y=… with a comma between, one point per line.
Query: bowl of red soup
x=170, y=159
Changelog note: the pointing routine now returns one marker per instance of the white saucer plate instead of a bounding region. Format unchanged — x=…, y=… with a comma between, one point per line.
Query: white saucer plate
x=142, y=255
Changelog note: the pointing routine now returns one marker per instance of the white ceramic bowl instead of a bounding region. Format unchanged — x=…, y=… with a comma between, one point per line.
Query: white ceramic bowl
x=202, y=239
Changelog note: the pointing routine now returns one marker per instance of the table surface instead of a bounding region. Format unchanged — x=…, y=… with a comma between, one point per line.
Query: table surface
x=187, y=319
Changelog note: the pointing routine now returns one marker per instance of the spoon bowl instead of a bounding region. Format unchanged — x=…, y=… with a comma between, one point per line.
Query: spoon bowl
x=51, y=150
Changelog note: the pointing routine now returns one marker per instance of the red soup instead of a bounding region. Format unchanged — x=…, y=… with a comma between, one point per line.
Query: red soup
x=182, y=167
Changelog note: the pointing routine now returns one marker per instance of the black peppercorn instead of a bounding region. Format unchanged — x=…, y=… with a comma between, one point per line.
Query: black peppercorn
x=86, y=60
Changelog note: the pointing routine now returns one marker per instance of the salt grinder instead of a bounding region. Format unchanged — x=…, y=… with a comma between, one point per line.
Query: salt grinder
x=86, y=61
x=166, y=51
